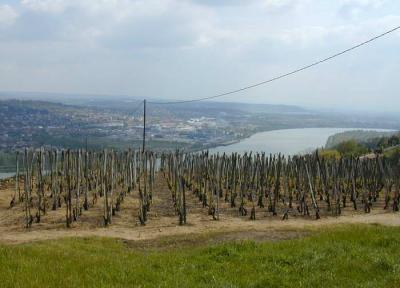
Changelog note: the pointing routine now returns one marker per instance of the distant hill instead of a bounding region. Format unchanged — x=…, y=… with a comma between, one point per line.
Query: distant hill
x=123, y=103
x=360, y=136
x=233, y=106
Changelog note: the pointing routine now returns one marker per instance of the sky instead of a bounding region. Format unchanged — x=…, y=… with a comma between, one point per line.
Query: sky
x=171, y=49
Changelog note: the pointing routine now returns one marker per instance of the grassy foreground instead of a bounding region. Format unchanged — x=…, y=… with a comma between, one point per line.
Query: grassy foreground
x=348, y=256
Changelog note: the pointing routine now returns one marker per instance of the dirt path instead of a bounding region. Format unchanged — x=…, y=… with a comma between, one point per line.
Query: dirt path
x=163, y=223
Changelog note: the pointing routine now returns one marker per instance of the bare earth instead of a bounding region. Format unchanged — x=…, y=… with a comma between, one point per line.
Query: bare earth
x=163, y=223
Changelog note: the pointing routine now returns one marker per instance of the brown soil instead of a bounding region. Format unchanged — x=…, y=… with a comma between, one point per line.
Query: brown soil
x=162, y=225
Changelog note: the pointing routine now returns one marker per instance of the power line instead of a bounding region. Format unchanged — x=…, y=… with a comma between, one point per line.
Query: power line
x=280, y=76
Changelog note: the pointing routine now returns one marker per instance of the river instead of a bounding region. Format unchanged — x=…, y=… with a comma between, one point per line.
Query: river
x=285, y=141
x=6, y=175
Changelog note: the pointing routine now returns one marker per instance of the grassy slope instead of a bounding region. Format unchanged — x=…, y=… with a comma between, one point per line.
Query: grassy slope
x=351, y=256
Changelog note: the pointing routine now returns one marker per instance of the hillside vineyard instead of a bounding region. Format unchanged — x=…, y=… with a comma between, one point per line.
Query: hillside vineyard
x=250, y=185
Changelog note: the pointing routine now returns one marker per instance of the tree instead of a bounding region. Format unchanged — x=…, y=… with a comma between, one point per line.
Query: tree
x=351, y=148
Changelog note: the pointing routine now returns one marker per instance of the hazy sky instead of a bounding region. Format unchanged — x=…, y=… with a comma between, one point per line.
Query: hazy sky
x=187, y=49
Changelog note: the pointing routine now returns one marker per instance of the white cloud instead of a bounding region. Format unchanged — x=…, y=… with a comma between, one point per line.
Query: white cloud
x=388, y=21
x=116, y=9
x=364, y=3
x=7, y=15
x=355, y=8
x=52, y=6
x=277, y=4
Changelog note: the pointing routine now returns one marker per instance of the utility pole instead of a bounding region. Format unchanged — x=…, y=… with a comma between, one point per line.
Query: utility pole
x=144, y=124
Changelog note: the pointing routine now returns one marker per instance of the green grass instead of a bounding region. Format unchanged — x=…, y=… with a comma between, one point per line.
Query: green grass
x=348, y=256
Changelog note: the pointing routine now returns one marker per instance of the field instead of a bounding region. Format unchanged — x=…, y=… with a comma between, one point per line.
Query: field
x=345, y=256
x=163, y=220
x=232, y=252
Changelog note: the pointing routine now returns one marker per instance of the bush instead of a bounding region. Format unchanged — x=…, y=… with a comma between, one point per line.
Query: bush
x=329, y=154
x=351, y=148
x=393, y=156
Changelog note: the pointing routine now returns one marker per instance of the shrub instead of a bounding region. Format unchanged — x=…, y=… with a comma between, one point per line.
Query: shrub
x=351, y=148
x=329, y=154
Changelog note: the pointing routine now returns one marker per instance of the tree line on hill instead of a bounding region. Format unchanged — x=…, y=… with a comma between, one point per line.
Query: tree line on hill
x=387, y=146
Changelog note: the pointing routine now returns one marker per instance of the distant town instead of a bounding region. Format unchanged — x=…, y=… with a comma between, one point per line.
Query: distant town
x=36, y=123
x=114, y=124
